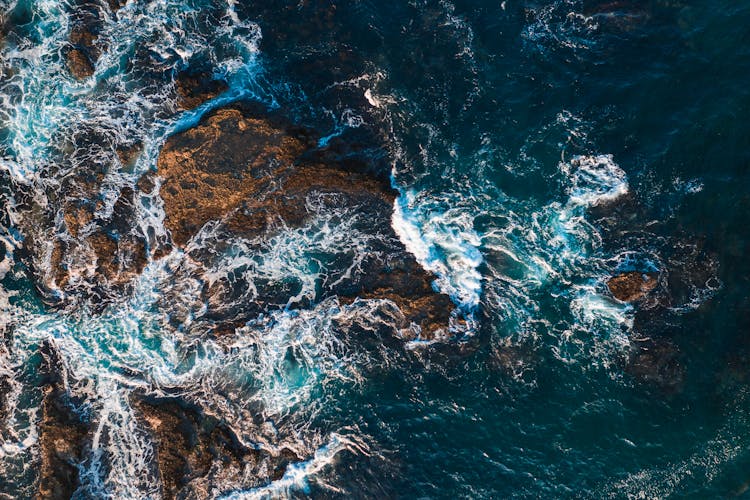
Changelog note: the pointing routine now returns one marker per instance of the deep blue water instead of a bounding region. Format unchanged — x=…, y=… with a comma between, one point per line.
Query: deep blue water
x=539, y=148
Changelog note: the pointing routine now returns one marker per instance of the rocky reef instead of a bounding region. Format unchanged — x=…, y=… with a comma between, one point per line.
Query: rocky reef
x=198, y=454
x=75, y=244
x=250, y=176
x=242, y=175
x=62, y=432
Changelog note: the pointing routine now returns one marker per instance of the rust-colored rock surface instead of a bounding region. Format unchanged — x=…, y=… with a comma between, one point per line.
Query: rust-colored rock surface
x=79, y=64
x=86, y=22
x=119, y=253
x=194, y=450
x=74, y=244
x=632, y=286
x=410, y=287
x=213, y=169
x=62, y=434
x=251, y=175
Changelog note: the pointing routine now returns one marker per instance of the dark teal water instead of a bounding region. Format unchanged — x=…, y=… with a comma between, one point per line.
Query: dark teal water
x=539, y=148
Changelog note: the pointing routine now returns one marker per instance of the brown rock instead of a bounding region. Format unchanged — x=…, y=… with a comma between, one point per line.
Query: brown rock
x=80, y=36
x=115, y=5
x=410, y=287
x=196, y=452
x=79, y=64
x=112, y=243
x=128, y=155
x=86, y=22
x=77, y=215
x=632, y=286
x=211, y=170
x=120, y=253
x=288, y=201
x=62, y=434
x=193, y=89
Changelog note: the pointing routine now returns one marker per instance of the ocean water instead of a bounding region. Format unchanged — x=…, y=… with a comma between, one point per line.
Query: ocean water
x=537, y=148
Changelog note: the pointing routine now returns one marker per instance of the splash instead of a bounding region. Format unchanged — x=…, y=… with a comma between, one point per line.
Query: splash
x=441, y=237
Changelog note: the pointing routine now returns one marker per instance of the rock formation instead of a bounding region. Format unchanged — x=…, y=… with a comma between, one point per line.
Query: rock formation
x=632, y=286
x=62, y=433
x=83, y=52
x=253, y=175
x=197, y=454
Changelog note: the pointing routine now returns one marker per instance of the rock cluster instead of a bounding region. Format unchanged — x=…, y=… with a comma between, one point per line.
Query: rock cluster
x=62, y=433
x=196, y=453
x=78, y=245
x=253, y=175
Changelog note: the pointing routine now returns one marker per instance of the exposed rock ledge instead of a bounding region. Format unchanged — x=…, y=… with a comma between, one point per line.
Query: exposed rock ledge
x=197, y=454
x=255, y=174
x=62, y=433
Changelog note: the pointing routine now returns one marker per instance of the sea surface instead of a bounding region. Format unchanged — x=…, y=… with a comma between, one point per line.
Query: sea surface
x=538, y=149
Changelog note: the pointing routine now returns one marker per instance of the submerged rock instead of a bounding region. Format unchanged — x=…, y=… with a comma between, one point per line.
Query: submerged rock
x=656, y=362
x=620, y=15
x=405, y=283
x=632, y=286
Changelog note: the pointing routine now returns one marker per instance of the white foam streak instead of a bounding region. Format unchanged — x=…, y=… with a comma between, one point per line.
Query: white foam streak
x=297, y=477
x=119, y=447
x=443, y=240
x=297, y=254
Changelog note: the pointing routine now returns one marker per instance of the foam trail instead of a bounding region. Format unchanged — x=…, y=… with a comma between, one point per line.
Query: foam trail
x=297, y=477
